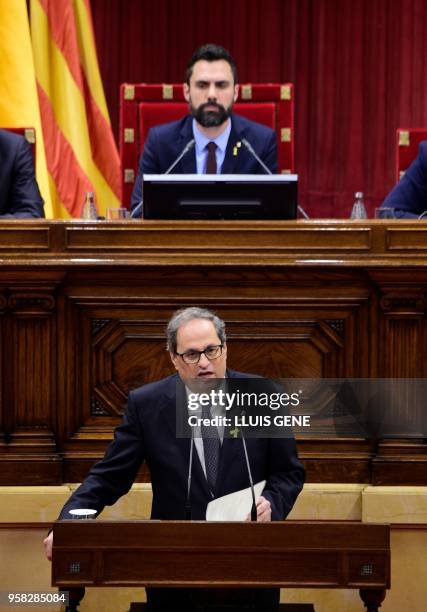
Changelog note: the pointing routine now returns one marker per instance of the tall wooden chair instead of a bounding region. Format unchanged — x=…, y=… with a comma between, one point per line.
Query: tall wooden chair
x=144, y=105
x=407, y=141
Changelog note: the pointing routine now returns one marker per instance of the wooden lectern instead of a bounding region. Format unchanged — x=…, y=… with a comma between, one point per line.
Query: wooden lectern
x=198, y=554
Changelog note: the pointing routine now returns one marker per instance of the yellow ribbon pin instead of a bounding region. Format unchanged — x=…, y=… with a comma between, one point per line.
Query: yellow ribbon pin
x=236, y=148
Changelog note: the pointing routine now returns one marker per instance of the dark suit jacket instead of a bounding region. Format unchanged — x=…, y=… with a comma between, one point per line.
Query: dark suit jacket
x=19, y=194
x=165, y=142
x=148, y=433
x=409, y=196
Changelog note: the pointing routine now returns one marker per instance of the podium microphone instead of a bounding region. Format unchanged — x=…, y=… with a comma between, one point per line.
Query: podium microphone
x=267, y=170
x=184, y=151
x=190, y=469
x=256, y=156
x=251, y=482
x=136, y=211
x=190, y=144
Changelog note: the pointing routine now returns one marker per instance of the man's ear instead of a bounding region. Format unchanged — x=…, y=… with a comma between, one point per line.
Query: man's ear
x=236, y=93
x=173, y=359
x=186, y=91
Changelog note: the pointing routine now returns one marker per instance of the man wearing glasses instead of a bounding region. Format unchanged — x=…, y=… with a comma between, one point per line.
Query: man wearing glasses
x=196, y=343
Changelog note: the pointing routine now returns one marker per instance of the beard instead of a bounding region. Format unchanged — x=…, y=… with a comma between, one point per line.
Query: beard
x=210, y=118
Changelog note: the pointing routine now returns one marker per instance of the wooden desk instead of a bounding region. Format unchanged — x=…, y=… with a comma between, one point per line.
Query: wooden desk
x=222, y=555
x=83, y=307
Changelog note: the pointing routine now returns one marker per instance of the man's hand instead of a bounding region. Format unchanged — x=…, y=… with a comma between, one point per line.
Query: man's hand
x=263, y=511
x=47, y=542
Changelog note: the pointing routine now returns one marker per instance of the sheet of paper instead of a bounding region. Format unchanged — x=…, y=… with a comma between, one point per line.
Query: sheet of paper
x=235, y=506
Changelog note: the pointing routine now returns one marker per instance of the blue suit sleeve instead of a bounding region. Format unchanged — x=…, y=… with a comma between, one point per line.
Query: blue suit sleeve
x=409, y=196
x=114, y=475
x=25, y=201
x=148, y=164
x=269, y=156
x=286, y=479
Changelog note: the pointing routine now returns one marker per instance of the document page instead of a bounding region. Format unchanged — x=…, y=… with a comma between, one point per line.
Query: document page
x=235, y=506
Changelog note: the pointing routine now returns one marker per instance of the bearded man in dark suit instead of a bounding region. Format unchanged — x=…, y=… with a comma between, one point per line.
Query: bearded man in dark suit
x=210, y=89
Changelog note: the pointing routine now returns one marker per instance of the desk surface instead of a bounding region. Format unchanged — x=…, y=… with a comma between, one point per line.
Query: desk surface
x=297, y=243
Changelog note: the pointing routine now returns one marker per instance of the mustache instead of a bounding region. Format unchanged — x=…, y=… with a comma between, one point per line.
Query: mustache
x=205, y=105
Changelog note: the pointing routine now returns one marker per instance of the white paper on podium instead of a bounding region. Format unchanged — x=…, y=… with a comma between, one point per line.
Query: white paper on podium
x=234, y=506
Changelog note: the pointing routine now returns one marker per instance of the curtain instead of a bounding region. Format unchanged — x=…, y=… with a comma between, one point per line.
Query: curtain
x=359, y=69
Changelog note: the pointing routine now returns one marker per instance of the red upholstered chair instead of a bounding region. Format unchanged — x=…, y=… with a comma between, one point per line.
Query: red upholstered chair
x=142, y=106
x=407, y=141
x=29, y=135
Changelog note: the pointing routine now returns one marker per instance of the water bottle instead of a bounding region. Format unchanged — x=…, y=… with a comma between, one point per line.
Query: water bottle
x=358, y=211
x=89, y=207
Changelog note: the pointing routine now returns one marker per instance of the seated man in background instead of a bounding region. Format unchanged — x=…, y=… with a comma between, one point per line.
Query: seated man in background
x=409, y=196
x=196, y=343
x=19, y=193
x=214, y=134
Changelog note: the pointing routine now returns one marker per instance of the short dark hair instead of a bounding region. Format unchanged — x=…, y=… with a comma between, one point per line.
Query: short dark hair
x=210, y=53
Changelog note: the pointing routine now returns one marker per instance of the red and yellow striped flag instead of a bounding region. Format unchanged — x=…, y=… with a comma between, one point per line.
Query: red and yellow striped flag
x=80, y=149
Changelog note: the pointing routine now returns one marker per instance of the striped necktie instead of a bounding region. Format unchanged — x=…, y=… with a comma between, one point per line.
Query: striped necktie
x=211, y=447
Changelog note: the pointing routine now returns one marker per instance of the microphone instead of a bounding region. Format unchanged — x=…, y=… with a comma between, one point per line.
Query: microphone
x=184, y=151
x=190, y=144
x=136, y=211
x=267, y=170
x=190, y=469
x=248, y=465
x=257, y=157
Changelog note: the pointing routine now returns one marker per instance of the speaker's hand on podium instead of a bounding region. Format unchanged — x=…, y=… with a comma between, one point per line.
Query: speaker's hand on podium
x=263, y=510
x=47, y=543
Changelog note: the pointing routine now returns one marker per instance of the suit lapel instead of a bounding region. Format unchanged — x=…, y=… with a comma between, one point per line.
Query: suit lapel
x=177, y=398
x=187, y=165
x=234, y=153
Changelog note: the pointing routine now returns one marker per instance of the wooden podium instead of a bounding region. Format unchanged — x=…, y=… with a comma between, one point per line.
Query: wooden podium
x=198, y=554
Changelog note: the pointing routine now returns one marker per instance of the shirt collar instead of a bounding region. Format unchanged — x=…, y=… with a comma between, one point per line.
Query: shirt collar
x=201, y=140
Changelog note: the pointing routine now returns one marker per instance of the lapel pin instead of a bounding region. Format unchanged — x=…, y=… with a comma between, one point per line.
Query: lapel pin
x=234, y=433
x=236, y=148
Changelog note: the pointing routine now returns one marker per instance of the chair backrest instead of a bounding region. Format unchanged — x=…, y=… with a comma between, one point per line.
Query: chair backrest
x=142, y=106
x=407, y=141
x=28, y=133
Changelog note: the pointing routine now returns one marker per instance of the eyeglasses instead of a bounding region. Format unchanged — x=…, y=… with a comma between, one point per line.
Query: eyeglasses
x=192, y=357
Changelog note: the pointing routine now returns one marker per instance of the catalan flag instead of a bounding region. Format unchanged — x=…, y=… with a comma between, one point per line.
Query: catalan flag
x=80, y=149
x=19, y=105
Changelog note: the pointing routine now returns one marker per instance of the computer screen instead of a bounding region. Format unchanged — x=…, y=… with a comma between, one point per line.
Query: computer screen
x=220, y=196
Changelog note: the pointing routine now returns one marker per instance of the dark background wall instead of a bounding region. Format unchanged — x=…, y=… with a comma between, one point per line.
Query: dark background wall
x=359, y=69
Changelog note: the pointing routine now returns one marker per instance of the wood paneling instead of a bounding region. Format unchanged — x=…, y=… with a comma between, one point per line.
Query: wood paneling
x=84, y=305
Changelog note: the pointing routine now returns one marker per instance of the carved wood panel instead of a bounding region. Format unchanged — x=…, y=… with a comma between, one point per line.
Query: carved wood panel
x=83, y=309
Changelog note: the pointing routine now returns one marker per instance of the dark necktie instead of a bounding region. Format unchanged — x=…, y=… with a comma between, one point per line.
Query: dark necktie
x=211, y=159
x=211, y=446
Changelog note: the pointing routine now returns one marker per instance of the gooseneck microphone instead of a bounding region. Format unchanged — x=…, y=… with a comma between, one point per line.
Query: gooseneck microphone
x=251, y=482
x=190, y=469
x=190, y=144
x=136, y=211
x=184, y=151
x=256, y=156
x=267, y=170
